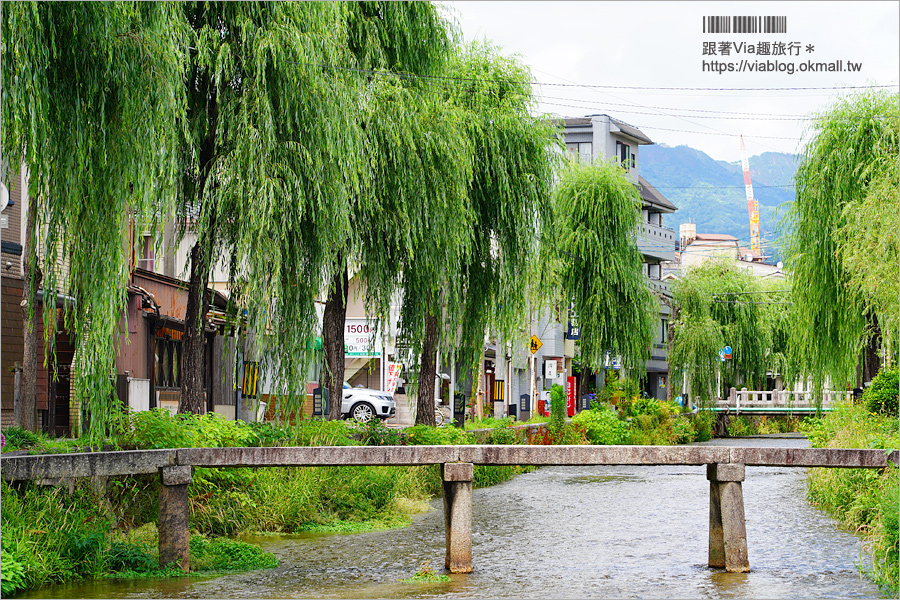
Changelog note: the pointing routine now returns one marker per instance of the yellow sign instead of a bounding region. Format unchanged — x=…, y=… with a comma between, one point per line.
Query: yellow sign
x=536, y=344
x=251, y=379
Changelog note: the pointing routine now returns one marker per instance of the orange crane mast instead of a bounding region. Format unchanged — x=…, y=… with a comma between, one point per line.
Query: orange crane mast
x=752, y=204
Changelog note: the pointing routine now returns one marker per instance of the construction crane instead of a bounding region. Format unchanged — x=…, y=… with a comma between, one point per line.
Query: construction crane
x=752, y=204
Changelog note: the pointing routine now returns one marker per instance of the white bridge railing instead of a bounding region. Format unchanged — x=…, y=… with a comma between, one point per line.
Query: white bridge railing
x=781, y=399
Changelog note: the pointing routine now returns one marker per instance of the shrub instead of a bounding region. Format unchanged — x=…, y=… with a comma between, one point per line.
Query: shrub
x=225, y=554
x=504, y=435
x=20, y=439
x=738, y=426
x=12, y=574
x=557, y=408
x=423, y=435
x=646, y=406
x=703, y=423
x=881, y=396
x=123, y=556
x=158, y=428
x=601, y=426
x=375, y=433
x=682, y=432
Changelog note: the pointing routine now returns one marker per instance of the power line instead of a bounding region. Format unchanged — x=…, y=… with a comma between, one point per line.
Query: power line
x=744, y=118
x=742, y=293
x=788, y=116
x=719, y=187
x=748, y=137
x=749, y=302
x=407, y=75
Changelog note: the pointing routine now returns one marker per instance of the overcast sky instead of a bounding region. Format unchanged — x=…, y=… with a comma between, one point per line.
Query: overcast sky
x=660, y=45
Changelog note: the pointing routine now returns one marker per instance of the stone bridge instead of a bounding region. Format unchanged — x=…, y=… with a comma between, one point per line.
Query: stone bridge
x=725, y=470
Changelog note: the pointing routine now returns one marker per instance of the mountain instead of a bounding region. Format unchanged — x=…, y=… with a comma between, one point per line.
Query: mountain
x=711, y=192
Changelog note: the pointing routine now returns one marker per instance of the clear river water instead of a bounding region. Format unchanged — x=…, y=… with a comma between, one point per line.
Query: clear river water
x=562, y=532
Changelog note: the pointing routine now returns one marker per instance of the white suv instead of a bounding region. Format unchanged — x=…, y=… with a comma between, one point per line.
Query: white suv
x=362, y=404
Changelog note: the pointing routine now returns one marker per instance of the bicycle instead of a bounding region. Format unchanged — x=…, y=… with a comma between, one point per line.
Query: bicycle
x=439, y=416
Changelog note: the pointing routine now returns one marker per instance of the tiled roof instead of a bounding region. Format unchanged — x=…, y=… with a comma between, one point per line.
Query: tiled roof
x=651, y=195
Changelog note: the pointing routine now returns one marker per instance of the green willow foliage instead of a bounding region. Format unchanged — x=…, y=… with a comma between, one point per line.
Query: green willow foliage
x=92, y=98
x=597, y=211
x=474, y=242
x=697, y=340
x=720, y=305
x=849, y=166
x=417, y=158
x=271, y=162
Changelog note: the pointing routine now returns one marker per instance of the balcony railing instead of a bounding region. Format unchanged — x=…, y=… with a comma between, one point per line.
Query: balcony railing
x=663, y=287
x=658, y=242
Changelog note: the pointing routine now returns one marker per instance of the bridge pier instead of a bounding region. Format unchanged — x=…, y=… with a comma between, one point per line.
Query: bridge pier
x=457, y=479
x=727, y=526
x=174, y=514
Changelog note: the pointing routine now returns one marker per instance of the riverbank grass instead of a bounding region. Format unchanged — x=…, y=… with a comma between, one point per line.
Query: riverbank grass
x=862, y=500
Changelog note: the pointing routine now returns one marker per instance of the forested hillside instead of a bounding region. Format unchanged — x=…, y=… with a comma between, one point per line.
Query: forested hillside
x=711, y=192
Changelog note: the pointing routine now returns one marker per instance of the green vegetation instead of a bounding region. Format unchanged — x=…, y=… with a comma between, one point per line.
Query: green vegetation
x=640, y=421
x=842, y=247
x=426, y=574
x=741, y=425
x=601, y=426
x=557, y=409
x=599, y=267
x=881, y=396
x=51, y=536
x=718, y=304
x=107, y=529
x=863, y=500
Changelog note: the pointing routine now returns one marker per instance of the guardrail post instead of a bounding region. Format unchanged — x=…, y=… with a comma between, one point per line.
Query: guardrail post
x=457, y=479
x=174, y=513
x=727, y=527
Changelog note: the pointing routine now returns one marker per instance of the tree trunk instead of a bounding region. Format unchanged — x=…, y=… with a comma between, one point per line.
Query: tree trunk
x=333, y=341
x=25, y=413
x=193, y=344
x=427, y=373
x=194, y=340
x=871, y=358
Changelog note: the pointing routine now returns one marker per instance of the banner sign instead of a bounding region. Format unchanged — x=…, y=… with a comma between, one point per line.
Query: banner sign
x=549, y=369
x=361, y=338
x=392, y=378
x=570, y=396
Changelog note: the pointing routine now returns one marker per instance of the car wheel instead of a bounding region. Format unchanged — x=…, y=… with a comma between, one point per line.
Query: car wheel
x=362, y=411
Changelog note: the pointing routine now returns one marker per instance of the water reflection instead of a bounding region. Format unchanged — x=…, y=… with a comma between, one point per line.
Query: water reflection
x=563, y=532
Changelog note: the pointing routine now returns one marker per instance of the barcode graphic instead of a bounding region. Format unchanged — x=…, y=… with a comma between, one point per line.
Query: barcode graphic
x=744, y=24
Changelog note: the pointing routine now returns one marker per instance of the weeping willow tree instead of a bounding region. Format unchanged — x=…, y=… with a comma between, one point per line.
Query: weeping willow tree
x=269, y=167
x=92, y=94
x=424, y=206
x=468, y=260
x=721, y=305
x=600, y=269
x=410, y=157
x=843, y=264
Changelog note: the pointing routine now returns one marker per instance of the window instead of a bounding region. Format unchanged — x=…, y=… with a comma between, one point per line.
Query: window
x=624, y=156
x=167, y=358
x=582, y=151
x=664, y=329
x=146, y=261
